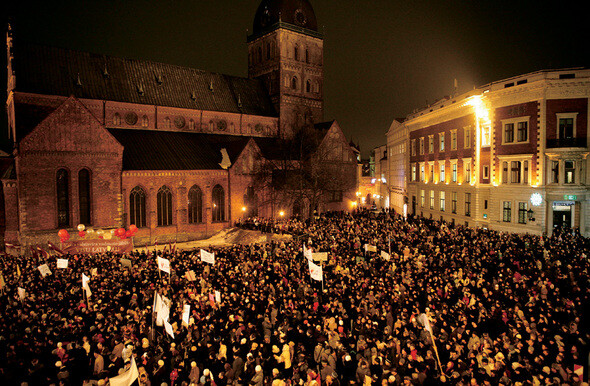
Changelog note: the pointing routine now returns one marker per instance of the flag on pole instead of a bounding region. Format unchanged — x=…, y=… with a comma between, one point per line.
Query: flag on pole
x=54, y=248
x=186, y=313
x=85, y=286
x=308, y=253
x=18, y=271
x=218, y=296
x=164, y=264
x=579, y=371
x=315, y=271
x=168, y=328
x=207, y=257
x=44, y=269
x=62, y=263
x=423, y=319
x=128, y=377
x=190, y=275
x=370, y=248
x=385, y=255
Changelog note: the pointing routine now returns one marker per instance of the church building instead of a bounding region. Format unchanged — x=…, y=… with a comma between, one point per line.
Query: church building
x=109, y=142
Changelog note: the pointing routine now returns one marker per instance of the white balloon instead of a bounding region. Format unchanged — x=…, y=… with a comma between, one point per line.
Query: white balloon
x=81, y=227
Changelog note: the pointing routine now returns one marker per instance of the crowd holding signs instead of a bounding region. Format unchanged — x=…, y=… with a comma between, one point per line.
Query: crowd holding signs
x=358, y=299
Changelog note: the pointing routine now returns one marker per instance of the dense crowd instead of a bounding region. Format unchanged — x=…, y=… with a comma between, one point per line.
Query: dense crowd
x=504, y=309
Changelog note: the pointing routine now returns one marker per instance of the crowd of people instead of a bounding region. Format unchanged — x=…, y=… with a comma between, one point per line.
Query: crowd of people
x=431, y=303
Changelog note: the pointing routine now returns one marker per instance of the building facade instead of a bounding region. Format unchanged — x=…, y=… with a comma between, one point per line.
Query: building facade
x=108, y=142
x=510, y=155
x=397, y=164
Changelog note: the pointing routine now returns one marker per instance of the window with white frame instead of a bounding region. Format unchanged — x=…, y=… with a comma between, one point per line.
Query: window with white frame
x=454, y=172
x=555, y=172
x=421, y=145
x=422, y=198
x=414, y=172
x=515, y=130
x=467, y=137
x=413, y=145
x=431, y=144
x=569, y=172
x=566, y=125
x=432, y=199
x=522, y=212
x=442, y=196
x=454, y=202
x=441, y=172
x=467, y=204
x=486, y=135
x=431, y=172
x=506, y=211
x=422, y=173
x=441, y=141
x=453, y=139
x=467, y=171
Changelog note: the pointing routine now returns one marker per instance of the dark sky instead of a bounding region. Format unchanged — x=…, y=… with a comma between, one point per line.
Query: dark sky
x=382, y=58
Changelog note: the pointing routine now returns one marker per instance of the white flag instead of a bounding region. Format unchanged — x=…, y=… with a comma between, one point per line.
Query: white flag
x=62, y=263
x=164, y=265
x=423, y=319
x=168, y=328
x=385, y=255
x=207, y=257
x=186, y=313
x=307, y=253
x=316, y=271
x=44, y=269
x=128, y=377
x=21, y=293
x=218, y=296
x=85, y=286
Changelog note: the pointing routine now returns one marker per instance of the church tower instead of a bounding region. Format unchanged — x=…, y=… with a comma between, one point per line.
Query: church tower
x=286, y=51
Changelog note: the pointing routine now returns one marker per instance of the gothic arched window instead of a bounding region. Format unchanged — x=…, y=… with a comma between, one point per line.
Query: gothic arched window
x=218, y=212
x=164, y=199
x=137, y=207
x=294, y=83
x=84, y=199
x=195, y=205
x=63, y=198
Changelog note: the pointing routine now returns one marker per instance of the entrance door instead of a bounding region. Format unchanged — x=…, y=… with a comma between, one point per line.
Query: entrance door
x=562, y=218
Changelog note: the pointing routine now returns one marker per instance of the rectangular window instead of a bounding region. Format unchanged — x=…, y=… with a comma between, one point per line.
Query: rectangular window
x=442, y=201
x=566, y=128
x=413, y=145
x=454, y=173
x=413, y=172
x=431, y=172
x=504, y=172
x=441, y=138
x=453, y=139
x=486, y=172
x=441, y=173
x=454, y=202
x=525, y=172
x=422, y=198
x=522, y=212
x=431, y=144
x=467, y=204
x=432, y=199
x=422, y=174
x=467, y=171
x=467, y=137
x=555, y=172
x=486, y=136
x=522, y=133
x=509, y=133
x=506, y=211
x=421, y=145
x=515, y=172
x=570, y=172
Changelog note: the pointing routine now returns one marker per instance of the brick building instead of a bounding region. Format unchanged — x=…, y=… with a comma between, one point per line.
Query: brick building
x=511, y=155
x=109, y=142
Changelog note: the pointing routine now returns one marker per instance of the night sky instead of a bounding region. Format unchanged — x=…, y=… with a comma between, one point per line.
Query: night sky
x=382, y=58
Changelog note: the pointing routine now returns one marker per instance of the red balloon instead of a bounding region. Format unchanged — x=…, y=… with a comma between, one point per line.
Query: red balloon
x=63, y=234
x=122, y=237
x=120, y=232
x=82, y=234
x=100, y=237
x=129, y=233
x=133, y=228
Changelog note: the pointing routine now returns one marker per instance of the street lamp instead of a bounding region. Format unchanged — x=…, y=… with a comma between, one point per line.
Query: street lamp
x=530, y=214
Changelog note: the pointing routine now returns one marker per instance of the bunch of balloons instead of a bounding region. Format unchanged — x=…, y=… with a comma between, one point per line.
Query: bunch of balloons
x=82, y=231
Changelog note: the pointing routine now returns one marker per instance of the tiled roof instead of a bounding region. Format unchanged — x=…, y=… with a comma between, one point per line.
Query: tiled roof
x=169, y=150
x=65, y=72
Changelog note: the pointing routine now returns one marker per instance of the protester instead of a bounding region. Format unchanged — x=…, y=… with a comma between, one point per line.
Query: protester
x=399, y=302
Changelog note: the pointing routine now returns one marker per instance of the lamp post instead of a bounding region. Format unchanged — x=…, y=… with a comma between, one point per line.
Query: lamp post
x=530, y=214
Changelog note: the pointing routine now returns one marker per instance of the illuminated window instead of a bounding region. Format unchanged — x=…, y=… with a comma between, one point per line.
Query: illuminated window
x=515, y=172
x=525, y=172
x=522, y=212
x=421, y=145
x=431, y=144
x=413, y=172
x=454, y=172
x=467, y=137
x=442, y=196
x=441, y=172
x=486, y=135
x=432, y=199
x=570, y=172
x=504, y=172
x=422, y=174
x=467, y=204
x=453, y=139
x=506, y=211
x=431, y=170
x=441, y=139
x=566, y=128
x=454, y=202
x=467, y=171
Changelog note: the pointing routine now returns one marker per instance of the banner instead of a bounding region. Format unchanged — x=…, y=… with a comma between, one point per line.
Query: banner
x=168, y=328
x=218, y=296
x=44, y=269
x=320, y=256
x=62, y=263
x=423, y=319
x=54, y=248
x=307, y=253
x=128, y=377
x=207, y=257
x=164, y=265
x=98, y=246
x=316, y=272
x=385, y=255
x=125, y=262
x=370, y=248
x=85, y=286
x=190, y=275
x=21, y=293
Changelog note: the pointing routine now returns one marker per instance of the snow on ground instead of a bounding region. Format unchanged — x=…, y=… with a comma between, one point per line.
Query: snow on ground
x=228, y=236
